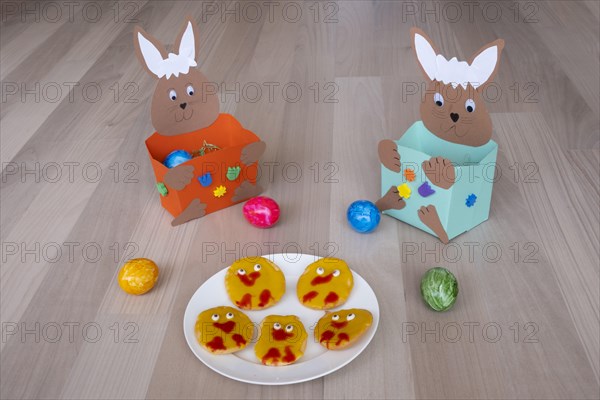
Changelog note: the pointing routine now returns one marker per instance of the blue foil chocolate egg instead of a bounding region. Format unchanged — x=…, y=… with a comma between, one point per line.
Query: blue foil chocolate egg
x=363, y=216
x=177, y=157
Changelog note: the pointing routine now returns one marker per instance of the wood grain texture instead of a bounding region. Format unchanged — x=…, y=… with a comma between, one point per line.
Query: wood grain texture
x=527, y=320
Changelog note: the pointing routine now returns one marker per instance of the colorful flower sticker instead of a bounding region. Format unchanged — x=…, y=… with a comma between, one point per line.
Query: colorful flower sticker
x=233, y=173
x=205, y=180
x=220, y=191
x=404, y=191
x=162, y=189
x=471, y=199
x=425, y=190
x=409, y=174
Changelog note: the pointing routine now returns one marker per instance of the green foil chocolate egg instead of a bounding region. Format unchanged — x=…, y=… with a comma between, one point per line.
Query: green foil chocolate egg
x=439, y=288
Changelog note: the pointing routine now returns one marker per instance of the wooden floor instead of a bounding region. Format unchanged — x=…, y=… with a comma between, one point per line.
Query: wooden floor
x=78, y=197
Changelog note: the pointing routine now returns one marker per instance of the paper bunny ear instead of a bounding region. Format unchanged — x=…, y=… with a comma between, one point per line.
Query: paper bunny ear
x=187, y=40
x=149, y=51
x=478, y=72
x=425, y=51
x=484, y=64
x=153, y=56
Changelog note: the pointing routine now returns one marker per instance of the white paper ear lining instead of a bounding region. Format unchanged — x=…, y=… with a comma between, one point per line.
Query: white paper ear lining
x=455, y=72
x=174, y=64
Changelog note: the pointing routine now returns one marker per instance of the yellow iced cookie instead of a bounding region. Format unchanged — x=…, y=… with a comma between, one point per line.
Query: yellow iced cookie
x=223, y=330
x=138, y=276
x=282, y=340
x=254, y=283
x=339, y=329
x=325, y=284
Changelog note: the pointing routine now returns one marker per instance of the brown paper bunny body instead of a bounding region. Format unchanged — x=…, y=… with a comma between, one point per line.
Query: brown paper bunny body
x=452, y=110
x=181, y=107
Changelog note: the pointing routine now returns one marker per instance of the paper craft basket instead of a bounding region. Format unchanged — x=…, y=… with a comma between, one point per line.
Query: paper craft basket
x=229, y=135
x=461, y=207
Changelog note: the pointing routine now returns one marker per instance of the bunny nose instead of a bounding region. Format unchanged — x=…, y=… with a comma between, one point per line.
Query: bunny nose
x=454, y=117
x=183, y=105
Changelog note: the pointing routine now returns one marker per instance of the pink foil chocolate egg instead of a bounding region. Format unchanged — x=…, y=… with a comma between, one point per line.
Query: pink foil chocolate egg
x=261, y=211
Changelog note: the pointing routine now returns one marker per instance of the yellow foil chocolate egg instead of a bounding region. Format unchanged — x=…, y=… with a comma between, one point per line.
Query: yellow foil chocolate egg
x=138, y=276
x=339, y=329
x=282, y=340
x=254, y=283
x=325, y=284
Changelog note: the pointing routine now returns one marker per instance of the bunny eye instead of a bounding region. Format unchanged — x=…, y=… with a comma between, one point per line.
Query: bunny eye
x=320, y=270
x=335, y=317
x=241, y=271
x=350, y=317
x=470, y=105
x=336, y=272
x=172, y=94
x=438, y=99
x=257, y=267
x=277, y=326
x=215, y=317
x=289, y=328
x=190, y=90
x=229, y=315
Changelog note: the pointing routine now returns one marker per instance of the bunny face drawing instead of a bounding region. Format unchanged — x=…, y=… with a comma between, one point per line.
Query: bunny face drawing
x=186, y=117
x=180, y=103
x=453, y=108
x=455, y=128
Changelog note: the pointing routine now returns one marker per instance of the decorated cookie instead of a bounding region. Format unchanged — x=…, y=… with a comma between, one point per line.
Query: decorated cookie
x=325, y=284
x=339, y=329
x=223, y=330
x=254, y=283
x=282, y=340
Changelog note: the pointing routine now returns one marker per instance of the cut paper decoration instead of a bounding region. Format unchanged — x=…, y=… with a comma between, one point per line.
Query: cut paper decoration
x=449, y=133
x=233, y=173
x=455, y=72
x=174, y=64
x=471, y=199
x=220, y=191
x=162, y=189
x=205, y=180
x=404, y=191
x=187, y=118
x=409, y=174
x=425, y=190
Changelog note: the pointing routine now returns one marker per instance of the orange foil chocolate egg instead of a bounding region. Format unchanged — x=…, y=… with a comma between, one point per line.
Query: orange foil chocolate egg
x=254, y=283
x=325, y=284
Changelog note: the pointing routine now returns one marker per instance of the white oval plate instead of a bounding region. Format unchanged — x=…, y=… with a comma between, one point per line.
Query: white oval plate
x=317, y=361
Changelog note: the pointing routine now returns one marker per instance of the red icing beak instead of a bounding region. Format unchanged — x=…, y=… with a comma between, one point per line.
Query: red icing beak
x=339, y=325
x=249, y=279
x=318, y=280
x=225, y=327
x=280, y=334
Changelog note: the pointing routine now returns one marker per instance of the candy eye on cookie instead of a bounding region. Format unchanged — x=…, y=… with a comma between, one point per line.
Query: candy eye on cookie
x=257, y=267
x=229, y=315
x=335, y=317
x=277, y=326
x=241, y=271
x=320, y=270
x=215, y=317
x=350, y=317
x=289, y=328
x=336, y=273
